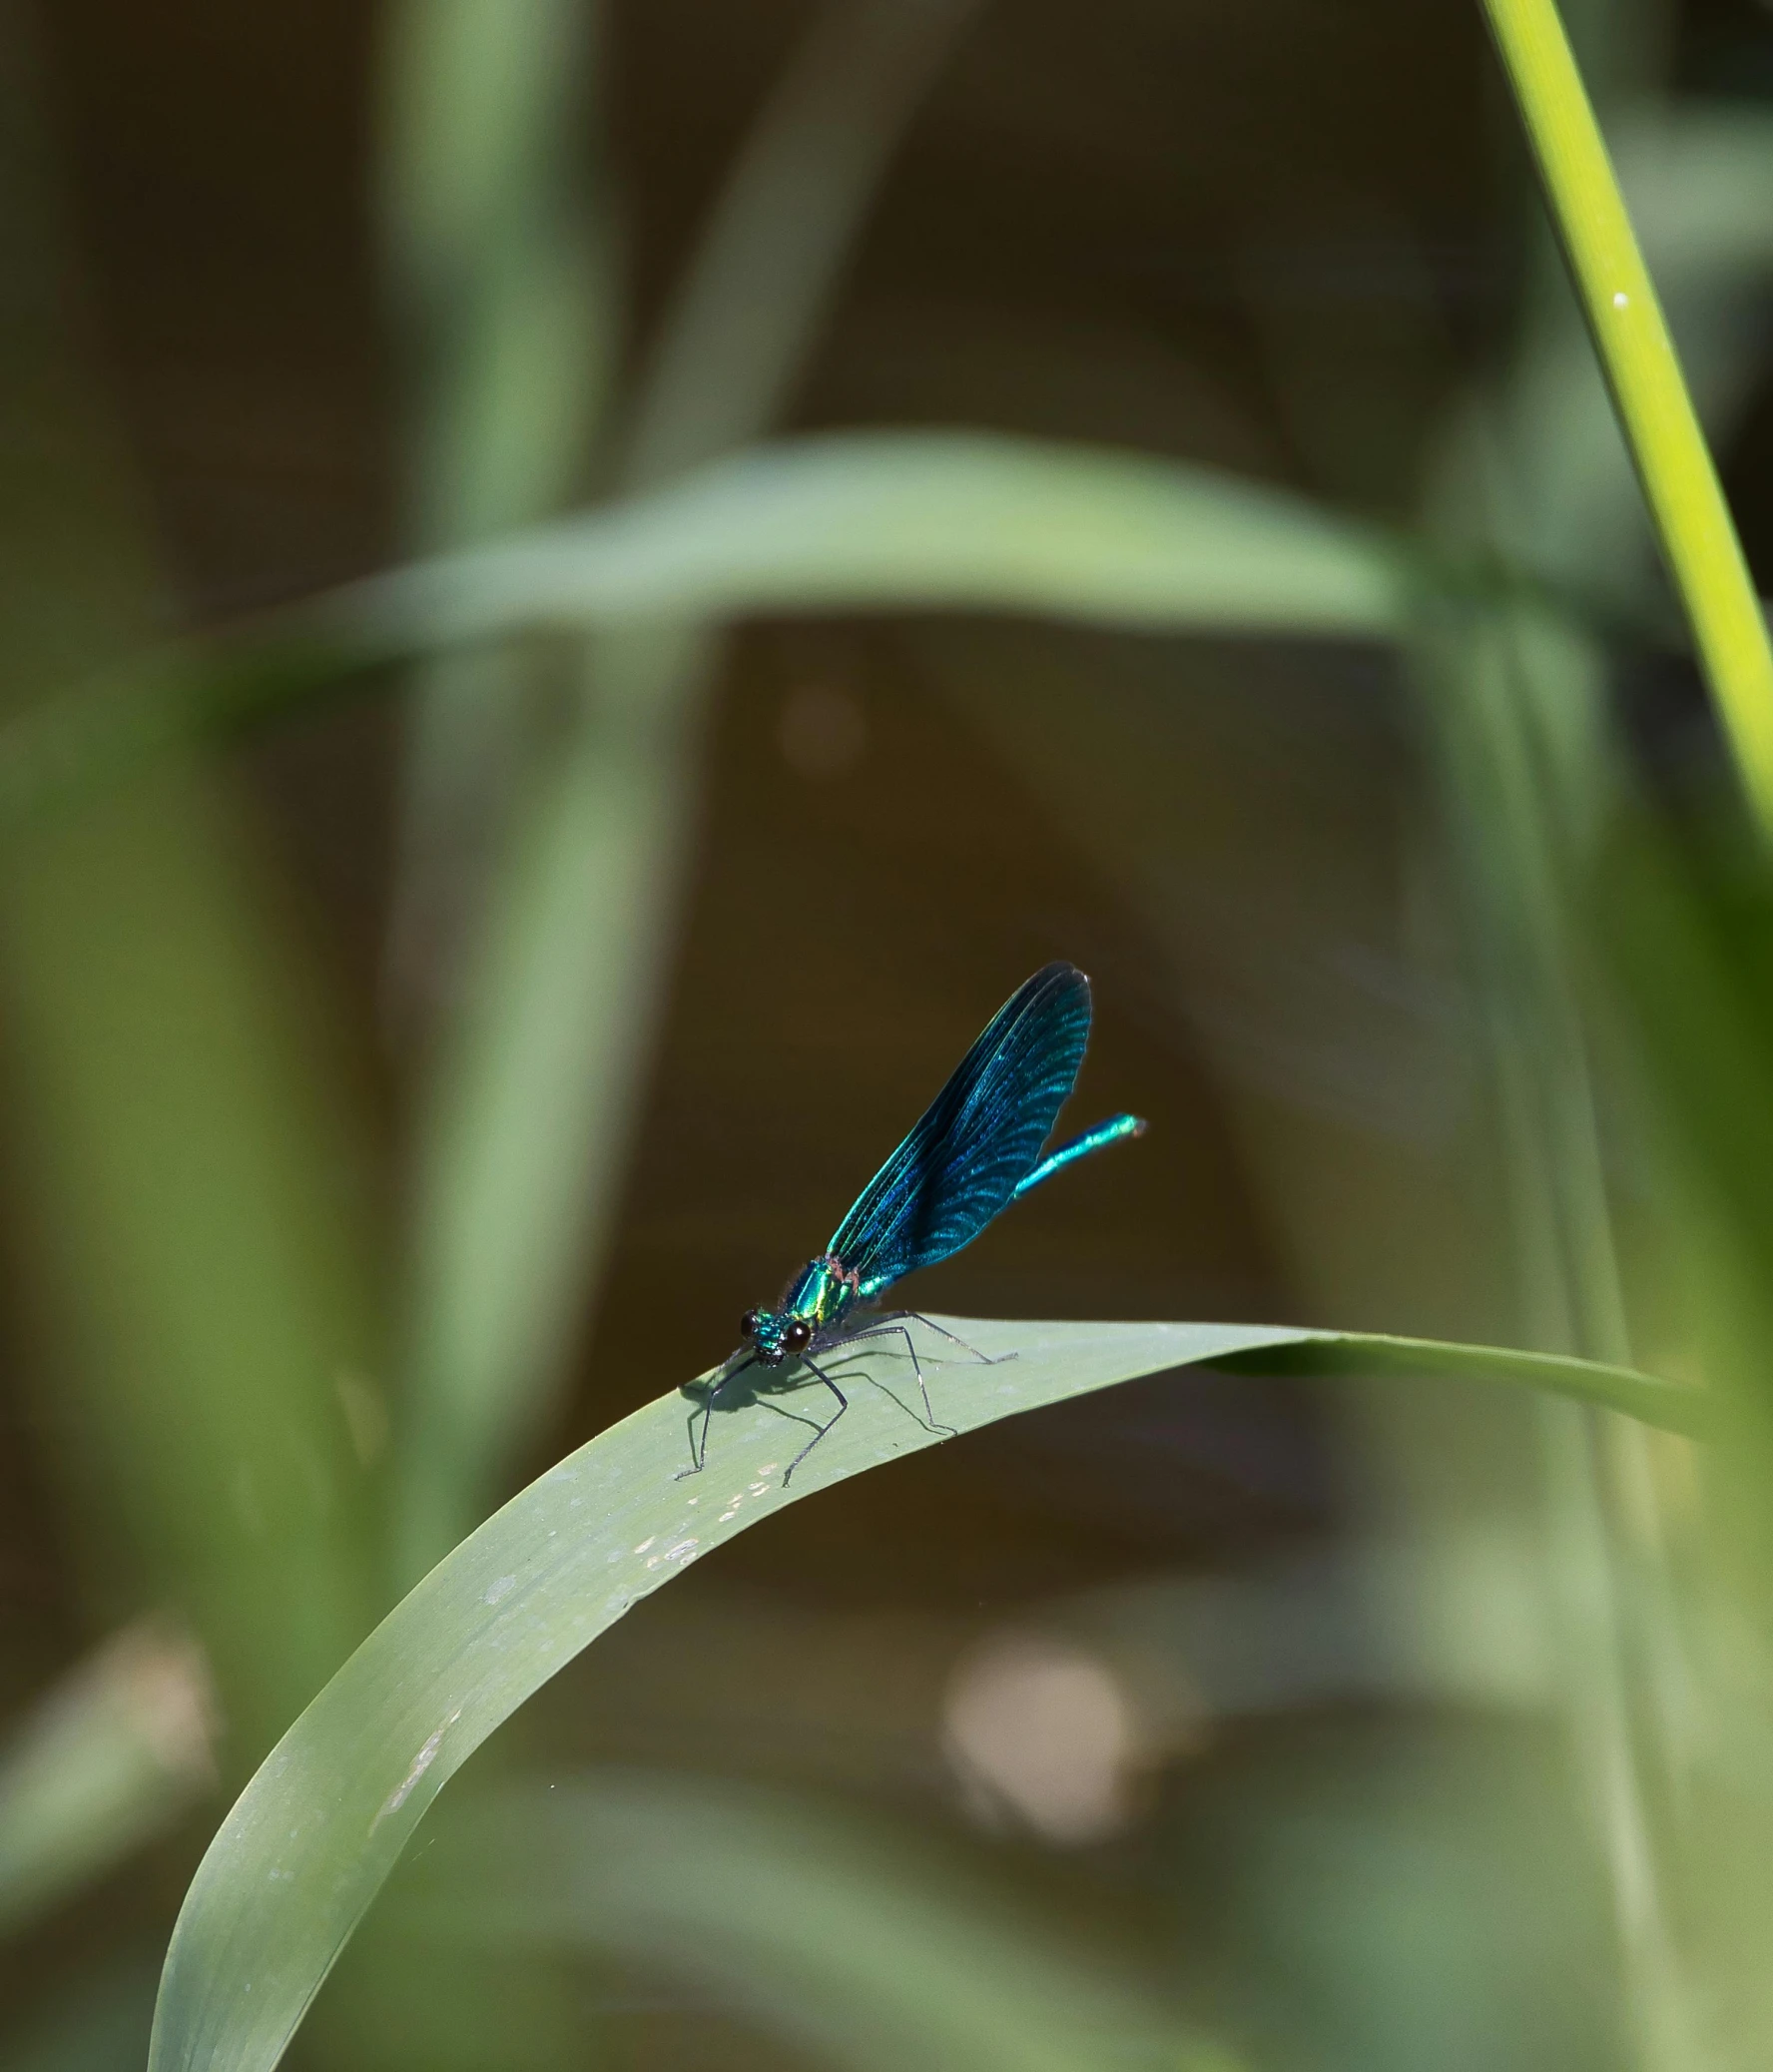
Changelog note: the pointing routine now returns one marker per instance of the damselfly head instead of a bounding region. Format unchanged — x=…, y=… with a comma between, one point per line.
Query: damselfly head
x=773, y=1336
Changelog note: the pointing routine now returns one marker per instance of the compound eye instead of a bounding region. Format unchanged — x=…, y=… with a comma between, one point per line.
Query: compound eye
x=748, y=1324
x=797, y=1336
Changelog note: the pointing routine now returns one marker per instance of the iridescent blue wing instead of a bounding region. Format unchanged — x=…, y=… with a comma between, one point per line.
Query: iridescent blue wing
x=978, y=1139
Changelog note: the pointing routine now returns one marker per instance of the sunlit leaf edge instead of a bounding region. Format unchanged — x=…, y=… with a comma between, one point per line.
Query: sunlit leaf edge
x=309, y=1841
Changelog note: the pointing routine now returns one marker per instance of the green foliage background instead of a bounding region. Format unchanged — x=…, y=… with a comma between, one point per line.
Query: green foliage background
x=801, y=601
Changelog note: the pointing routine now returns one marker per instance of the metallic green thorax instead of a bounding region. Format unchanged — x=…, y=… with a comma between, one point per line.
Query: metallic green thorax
x=822, y=1291
x=818, y=1297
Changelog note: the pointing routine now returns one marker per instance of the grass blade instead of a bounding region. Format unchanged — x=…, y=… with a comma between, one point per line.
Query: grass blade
x=499, y=254
x=851, y=522
x=113, y=1756
x=531, y=1115
x=1631, y=339
x=533, y=1107
x=858, y=521
x=194, y=1272
x=751, y=303
x=308, y=1845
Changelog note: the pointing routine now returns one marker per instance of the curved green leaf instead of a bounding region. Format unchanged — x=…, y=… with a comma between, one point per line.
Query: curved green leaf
x=858, y=521
x=853, y=521
x=309, y=1841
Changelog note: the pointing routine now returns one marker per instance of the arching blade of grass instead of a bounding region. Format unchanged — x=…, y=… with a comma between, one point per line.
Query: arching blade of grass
x=870, y=1949
x=303, y=1851
x=856, y=521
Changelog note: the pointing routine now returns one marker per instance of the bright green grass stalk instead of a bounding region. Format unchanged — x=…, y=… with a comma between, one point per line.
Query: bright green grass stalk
x=1637, y=356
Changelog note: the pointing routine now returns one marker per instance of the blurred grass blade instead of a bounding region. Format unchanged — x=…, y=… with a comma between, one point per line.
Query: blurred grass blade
x=860, y=1946
x=532, y=1103
x=1684, y=914
x=117, y=1752
x=1688, y=931
x=194, y=1276
x=859, y=521
x=497, y=252
x=306, y=1848
x=1540, y=473
x=526, y=1136
x=499, y=256
x=1695, y=177
x=196, y=1265
x=745, y=316
x=856, y=521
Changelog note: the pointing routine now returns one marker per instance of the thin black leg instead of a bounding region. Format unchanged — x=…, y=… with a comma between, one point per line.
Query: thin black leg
x=930, y=1324
x=700, y=1461
x=842, y=1405
x=885, y=1330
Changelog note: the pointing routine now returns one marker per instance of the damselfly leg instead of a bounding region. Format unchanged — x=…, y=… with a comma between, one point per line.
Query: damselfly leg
x=824, y=1429
x=699, y=1456
x=917, y=1316
x=886, y=1328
